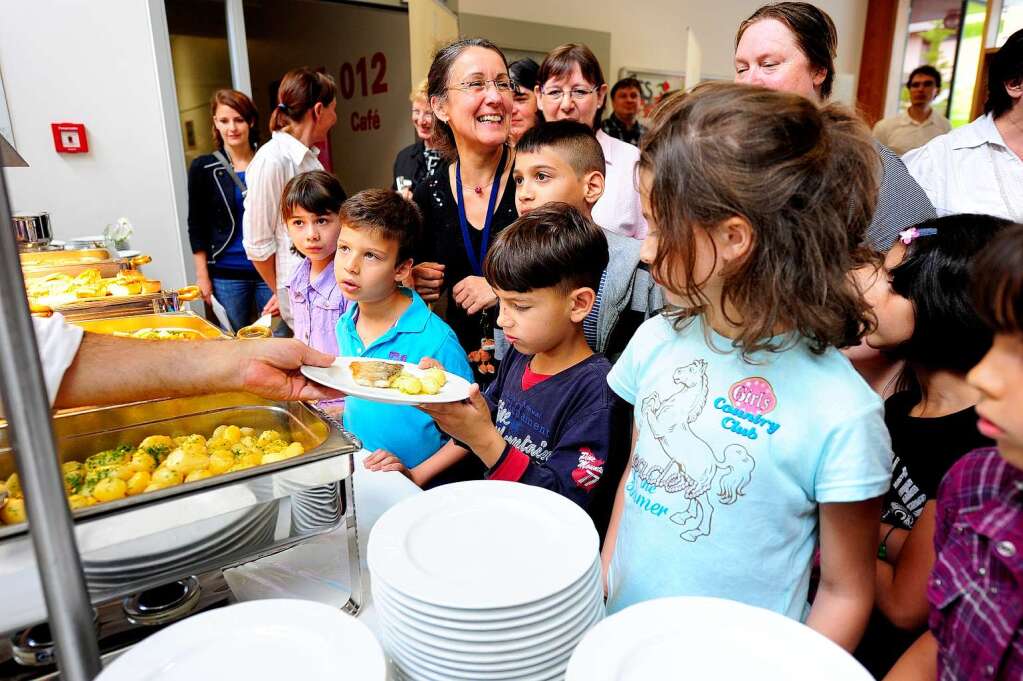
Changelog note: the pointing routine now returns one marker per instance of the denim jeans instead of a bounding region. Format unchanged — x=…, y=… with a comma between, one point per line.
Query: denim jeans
x=243, y=300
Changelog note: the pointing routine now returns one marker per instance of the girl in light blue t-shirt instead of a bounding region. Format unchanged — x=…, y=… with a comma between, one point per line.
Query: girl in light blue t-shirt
x=755, y=440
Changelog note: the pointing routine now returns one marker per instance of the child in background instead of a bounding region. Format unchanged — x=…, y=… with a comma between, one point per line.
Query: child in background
x=976, y=588
x=378, y=234
x=548, y=418
x=563, y=161
x=754, y=437
x=925, y=317
x=309, y=207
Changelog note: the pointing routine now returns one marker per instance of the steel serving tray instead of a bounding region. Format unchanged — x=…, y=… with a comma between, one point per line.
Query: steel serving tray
x=169, y=320
x=121, y=526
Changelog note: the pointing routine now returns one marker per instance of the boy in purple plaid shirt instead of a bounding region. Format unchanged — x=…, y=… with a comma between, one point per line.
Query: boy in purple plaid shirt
x=976, y=587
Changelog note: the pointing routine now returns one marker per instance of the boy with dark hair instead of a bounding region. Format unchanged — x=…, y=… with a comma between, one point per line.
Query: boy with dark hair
x=549, y=418
x=378, y=235
x=626, y=100
x=562, y=161
x=976, y=587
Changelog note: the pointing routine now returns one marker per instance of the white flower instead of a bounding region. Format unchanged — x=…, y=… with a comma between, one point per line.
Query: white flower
x=119, y=231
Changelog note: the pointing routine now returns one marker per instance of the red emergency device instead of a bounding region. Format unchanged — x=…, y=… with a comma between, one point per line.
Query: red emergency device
x=69, y=138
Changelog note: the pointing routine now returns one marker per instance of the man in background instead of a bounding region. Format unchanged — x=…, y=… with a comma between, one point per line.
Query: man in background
x=920, y=123
x=623, y=122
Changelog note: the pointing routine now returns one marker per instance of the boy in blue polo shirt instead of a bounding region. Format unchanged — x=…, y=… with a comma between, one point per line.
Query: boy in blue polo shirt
x=387, y=321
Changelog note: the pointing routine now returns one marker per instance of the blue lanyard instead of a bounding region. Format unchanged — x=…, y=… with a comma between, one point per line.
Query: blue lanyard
x=476, y=262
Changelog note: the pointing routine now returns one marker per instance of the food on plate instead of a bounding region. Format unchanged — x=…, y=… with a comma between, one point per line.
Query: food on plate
x=155, y=463
x=375, y=374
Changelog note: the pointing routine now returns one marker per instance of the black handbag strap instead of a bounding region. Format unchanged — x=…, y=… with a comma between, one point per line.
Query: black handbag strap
x=230, y=171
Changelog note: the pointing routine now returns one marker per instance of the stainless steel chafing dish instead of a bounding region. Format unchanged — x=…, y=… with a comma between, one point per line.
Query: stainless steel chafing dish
x=41, y=263
x=170, y=320
x=143, y=541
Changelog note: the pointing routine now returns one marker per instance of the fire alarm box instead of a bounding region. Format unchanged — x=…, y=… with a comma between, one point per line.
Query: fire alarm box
x=69, y=138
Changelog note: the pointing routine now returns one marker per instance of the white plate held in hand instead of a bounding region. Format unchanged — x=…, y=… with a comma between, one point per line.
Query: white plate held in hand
x=339, y=376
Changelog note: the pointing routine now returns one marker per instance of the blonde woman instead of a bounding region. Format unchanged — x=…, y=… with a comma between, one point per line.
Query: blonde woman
x=419, y=160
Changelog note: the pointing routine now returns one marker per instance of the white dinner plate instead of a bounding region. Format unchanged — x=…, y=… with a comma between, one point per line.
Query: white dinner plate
x=708, y=638
x=568, y=639
x=339, y=376
x=265, y=640
x=497, y=618
x=527, y=637
x=553, y=669
x=514, y=670
x=533, y=624
x=482, y=544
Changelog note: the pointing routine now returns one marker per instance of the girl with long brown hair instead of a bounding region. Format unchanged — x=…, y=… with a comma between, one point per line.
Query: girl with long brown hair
x=305, y=113
x=216, y=192
x=754, y=437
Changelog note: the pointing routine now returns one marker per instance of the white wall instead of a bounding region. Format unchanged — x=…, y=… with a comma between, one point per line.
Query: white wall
x=92, y=63
x=651, y=33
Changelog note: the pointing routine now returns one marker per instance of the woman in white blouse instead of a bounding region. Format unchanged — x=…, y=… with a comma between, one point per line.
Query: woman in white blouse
x=978, y=168
x=305, y=113
x=570, y=85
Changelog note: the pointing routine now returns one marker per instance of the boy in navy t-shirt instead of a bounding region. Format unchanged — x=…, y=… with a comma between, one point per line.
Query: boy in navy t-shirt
x=548, y=419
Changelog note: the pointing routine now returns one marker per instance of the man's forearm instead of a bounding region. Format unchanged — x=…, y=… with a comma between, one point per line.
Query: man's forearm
x=110, y=370
x=268, y=270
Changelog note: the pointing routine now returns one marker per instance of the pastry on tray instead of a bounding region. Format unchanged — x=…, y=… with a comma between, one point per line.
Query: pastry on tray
x=374, y=374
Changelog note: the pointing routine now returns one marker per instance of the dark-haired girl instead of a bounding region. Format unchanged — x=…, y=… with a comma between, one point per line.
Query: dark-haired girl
x=305, y=113
x=925, y=317
x=467, y=204
x=216, y=192
x=754, y=437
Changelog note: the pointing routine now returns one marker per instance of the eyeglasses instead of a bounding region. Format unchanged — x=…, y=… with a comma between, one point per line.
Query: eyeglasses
x=476, y=87
x=577, y=93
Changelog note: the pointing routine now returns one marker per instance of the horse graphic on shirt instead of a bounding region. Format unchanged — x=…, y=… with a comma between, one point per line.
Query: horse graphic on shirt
x=671, y=420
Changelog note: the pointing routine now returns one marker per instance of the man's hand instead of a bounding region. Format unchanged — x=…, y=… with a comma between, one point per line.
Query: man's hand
x=271, y=307
x=269, y=368
x=469, y=421
x=474, y=294
x=429, y=278
x=383, y=460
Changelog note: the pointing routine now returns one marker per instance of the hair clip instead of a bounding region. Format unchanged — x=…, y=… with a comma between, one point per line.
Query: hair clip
x=908, y=235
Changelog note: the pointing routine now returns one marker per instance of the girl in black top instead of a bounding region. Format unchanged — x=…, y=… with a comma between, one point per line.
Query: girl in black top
x=466, y=204
x=215, y=208
x=924, y=316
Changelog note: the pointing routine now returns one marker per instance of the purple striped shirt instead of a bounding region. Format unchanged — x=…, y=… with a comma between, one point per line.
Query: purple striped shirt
x=316, y=306
x=976, y=587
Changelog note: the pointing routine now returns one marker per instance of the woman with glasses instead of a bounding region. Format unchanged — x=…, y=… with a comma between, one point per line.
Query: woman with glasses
x=419, y=160
x=570, y=85
x=466, y=204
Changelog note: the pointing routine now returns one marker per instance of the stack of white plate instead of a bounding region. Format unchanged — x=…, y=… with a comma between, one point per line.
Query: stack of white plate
x=707, y=638
x=147, y=547
x=484, y=580
x=265, y=640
